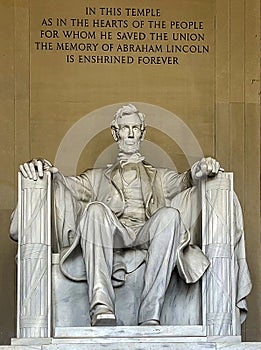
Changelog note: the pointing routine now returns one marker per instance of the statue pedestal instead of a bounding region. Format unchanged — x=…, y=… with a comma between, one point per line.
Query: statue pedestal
x=134, y=338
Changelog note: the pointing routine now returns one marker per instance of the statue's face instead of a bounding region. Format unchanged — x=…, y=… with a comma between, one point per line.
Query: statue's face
x=129, y=133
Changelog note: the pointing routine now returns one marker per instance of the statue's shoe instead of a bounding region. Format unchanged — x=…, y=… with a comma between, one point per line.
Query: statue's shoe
x=104, y=320
x=150, y=323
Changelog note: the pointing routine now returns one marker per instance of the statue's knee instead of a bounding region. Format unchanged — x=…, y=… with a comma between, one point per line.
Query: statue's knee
x=96, y=208
x=167, y=217
x=168, y=213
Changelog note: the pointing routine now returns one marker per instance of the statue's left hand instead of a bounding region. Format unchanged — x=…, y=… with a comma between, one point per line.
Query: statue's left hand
x=205, y=167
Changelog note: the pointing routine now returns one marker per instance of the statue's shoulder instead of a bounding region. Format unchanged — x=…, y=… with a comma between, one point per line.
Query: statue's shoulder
x=93, y=172
x=160, y=170
x=97, y=173
x=153, y=166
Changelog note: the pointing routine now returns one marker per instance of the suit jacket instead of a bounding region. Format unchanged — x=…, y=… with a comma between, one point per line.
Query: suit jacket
x=159, y=187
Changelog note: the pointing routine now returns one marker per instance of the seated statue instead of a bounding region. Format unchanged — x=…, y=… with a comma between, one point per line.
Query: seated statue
x=107, y=214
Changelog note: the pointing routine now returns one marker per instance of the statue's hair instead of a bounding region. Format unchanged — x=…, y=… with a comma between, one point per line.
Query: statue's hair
x=128, y=109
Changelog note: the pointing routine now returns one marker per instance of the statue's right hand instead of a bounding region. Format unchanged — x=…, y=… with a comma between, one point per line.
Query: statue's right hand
x=35, y=168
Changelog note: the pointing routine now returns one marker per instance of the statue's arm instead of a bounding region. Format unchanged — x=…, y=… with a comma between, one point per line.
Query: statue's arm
x=71, y=195
x=174, y=183
x=79, y=186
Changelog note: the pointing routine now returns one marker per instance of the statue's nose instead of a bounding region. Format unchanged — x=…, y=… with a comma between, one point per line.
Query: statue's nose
x=131, y=134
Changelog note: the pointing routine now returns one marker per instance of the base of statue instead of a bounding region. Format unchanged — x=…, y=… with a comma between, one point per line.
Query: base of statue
x=134, y=338
x=132, y=344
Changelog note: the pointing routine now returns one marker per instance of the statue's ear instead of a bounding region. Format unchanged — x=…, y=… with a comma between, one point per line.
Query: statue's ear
x=143, y=134
x=114, y=132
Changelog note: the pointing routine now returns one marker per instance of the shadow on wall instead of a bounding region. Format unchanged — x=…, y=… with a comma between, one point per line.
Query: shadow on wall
x=7, y=280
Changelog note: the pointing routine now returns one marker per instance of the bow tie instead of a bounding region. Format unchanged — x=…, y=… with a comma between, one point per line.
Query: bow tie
x=124, y=158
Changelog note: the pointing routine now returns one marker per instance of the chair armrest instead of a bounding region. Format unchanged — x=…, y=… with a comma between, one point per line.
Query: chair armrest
x=34, y=257
x=218, y=245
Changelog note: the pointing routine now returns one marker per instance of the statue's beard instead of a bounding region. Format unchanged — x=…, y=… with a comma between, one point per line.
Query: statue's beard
x=129, y=146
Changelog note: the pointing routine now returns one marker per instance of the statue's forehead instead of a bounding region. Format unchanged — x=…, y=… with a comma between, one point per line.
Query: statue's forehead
x=129, y=119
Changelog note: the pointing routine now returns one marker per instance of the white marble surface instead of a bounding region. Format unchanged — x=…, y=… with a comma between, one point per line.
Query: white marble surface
x=241, y=346
x=134, y=346
x=138, y=346
x=129, y=332
x=71, y=309
x=34, y=257
x=219, y=301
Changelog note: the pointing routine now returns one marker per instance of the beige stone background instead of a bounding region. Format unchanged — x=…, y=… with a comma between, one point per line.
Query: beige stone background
x=216, y=95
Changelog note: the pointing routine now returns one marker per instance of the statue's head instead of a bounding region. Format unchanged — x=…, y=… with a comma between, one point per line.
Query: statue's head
x=128, y=128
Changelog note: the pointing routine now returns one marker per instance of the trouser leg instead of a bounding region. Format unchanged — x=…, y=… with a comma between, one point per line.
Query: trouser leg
x=163, y=234
x=97, y=229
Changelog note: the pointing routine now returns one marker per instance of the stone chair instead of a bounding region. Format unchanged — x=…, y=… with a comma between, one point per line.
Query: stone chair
x=50, y=306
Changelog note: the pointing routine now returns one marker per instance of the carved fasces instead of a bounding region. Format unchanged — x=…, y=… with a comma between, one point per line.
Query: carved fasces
x=34, y=257
x=217, y=243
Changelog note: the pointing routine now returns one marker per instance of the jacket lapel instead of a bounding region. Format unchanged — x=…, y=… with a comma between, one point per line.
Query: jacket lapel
x=153, y=191
x=112, y=173
x=147, y=177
